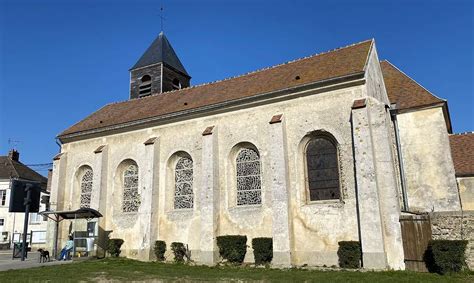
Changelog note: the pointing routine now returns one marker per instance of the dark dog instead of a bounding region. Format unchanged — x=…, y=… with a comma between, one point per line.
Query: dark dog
x=44, y=255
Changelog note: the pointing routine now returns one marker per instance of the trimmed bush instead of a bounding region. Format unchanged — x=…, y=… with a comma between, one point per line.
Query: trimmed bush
x=232, y=247
x=113, y=247
x=262, y=250
x=349, y=254
x=179, y=251
x=160, y=249
x=445, y=256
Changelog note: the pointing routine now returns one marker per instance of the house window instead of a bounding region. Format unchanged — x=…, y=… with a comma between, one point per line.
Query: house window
x=35, y=218
x=3, y=197
x=322, y=168
x=183, y=193
x=248, y=177
x=86, y=188
x=145, y=86
x=131, y=198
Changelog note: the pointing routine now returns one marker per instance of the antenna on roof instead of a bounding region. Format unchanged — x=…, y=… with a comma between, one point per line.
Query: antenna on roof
x=162, y=18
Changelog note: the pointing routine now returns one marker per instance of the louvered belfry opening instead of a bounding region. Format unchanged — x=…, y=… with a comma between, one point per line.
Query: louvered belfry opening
x=145, y=86
x=158, y=70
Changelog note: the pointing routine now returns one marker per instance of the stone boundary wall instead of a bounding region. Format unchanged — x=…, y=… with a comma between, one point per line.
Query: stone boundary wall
x=455, y=225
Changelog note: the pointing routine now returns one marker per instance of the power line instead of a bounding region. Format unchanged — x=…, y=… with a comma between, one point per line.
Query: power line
x=39, y=164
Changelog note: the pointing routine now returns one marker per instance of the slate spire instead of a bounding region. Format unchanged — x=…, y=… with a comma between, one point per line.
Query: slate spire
x=160, y=51
x=158, y=70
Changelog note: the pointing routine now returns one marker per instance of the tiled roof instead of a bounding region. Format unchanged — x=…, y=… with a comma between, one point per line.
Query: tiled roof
x=13, y=169
x=462, y=151
x=341, y=62
x=403, y=90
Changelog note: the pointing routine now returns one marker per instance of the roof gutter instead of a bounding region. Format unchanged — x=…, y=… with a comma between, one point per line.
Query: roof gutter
x=236, y=104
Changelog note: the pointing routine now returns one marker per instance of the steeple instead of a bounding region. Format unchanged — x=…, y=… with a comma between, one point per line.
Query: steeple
x=158, y=70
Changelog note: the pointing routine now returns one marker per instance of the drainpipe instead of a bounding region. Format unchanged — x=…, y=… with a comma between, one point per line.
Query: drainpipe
x=393, y=115
x=58, y=143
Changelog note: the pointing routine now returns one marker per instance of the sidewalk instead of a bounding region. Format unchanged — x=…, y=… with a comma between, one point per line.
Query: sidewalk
x=7, y=263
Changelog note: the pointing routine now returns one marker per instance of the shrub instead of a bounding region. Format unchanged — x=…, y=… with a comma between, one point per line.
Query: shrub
x=232, y=247
x=349, y=254
x=160, y=249
x=179, y=251
x=445, y=256
x=113, y=247
x=262, y=250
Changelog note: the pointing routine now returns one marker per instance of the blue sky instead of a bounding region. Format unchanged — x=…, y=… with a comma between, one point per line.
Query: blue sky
x=62, y=60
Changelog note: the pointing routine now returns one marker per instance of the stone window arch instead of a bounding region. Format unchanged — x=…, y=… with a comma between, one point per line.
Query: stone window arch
x=248, y=177
x=86, y=187
x=130, y=196
x=322, y=168
x=183, y=188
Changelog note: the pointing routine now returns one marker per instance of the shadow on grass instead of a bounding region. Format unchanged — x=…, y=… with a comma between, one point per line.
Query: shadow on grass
x=126, y=270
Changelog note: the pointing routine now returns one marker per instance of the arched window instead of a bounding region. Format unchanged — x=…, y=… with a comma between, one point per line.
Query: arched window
x=86, y=188
x=183, y=189
x=131, y=198
x=248, y=177
x=145, y=86
x=322, y=169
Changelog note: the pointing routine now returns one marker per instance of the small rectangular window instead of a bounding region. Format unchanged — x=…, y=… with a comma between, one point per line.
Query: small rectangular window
x=3, y=197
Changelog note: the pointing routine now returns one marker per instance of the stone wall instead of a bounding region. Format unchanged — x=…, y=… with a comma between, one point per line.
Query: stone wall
x=455, y=225
x=429, y=170
x=304, y=231
x=466, y=192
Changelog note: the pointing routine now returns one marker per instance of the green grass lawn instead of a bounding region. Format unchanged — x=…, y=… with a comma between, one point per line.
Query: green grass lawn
x=130, y=270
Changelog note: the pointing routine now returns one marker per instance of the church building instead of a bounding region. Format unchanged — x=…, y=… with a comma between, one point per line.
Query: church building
x=332, y=147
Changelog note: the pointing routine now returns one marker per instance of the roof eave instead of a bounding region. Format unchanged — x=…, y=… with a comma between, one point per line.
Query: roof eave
x=339, y=82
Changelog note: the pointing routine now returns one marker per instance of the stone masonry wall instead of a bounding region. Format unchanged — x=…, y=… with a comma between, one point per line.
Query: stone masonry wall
x=455, y=225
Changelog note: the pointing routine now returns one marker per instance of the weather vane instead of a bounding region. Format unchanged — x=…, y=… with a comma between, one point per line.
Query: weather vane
x=162, y=18
x=13, y=143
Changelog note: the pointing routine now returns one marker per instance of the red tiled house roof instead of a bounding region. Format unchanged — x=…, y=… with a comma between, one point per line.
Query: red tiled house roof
x=462, y=151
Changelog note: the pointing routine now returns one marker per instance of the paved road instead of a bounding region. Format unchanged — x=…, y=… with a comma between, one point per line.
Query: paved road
x=7, y=263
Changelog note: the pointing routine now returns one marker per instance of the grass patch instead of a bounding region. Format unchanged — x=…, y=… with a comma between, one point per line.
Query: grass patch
x=121, y=269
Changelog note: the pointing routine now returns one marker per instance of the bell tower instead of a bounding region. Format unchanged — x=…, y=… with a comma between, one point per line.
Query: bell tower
x=158, y=70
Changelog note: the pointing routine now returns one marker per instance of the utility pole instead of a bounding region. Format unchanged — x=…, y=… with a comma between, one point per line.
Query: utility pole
x=27, y=202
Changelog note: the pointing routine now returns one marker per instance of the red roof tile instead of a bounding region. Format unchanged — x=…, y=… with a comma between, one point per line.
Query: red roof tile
x=462, y=151
x=403, y=90
x=338, y=63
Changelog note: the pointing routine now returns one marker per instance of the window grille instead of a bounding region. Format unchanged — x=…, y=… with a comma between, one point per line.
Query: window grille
x=86, y=188
x=131, y=198
x=183, y=193
x=322, y=169
x=248, y=177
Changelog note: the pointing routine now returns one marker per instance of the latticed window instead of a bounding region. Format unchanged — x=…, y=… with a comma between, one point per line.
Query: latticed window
x=131, y=198
x=322, y=169
x=248, y=177
x=183, y=193
x=86, y=188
